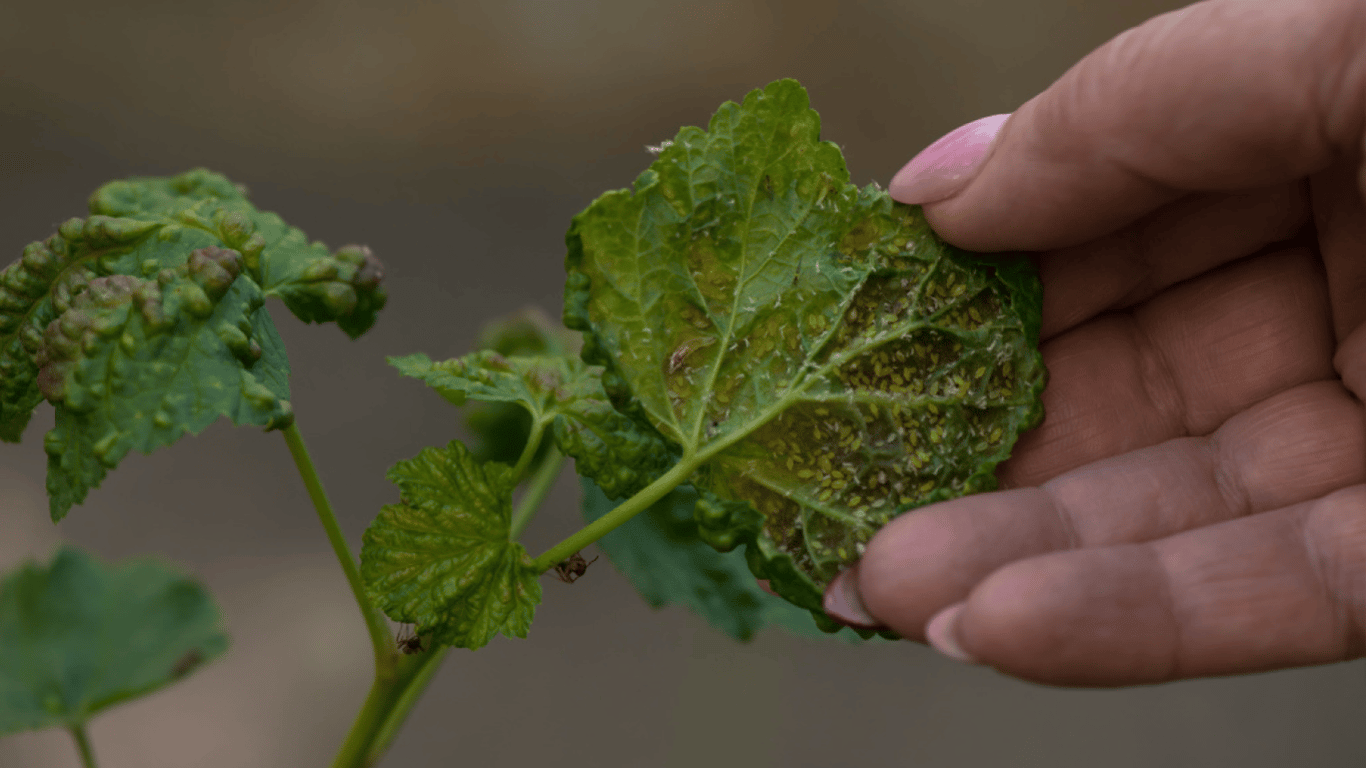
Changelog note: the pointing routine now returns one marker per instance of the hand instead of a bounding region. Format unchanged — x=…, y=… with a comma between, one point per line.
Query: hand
x=1194, y=501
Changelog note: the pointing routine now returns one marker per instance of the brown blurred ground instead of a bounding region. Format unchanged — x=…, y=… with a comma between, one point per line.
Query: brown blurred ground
x=458, y=139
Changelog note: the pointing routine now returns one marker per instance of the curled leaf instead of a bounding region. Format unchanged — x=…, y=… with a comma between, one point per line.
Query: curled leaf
x=136, y=364
x=144, y=321
x=812, y=349
x=317, y=286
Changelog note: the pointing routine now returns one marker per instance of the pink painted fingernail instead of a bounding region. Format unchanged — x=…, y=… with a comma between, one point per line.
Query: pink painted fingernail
x=943, y=167
x=942, y=633
x=843, y=602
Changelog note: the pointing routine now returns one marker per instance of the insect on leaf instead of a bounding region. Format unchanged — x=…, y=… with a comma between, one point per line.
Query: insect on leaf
x=441, y=558
x=812, y=349
x=79, y=636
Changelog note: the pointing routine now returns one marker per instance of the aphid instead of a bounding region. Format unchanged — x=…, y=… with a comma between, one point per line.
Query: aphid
x=570, y=570
x=686, y=348
x=409, y=642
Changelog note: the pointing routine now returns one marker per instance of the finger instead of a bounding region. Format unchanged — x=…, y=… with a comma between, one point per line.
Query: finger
x=1340, y=222
x=1280, y=589
x=1180, y=364
x=1222, y=95
x=1292, y=447
x=1350, y=362
x=1174, y=243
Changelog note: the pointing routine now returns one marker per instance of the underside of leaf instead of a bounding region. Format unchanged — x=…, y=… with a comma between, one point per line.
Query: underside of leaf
x=814, y=350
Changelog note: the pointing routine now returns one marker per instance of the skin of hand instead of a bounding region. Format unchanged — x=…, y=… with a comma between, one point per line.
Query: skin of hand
x=1194, y=503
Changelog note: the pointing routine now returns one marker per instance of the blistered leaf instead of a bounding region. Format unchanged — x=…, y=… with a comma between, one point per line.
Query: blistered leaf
x=559, y=391
x=317, y=286
x=144, y=321
x=41, y=285
x=660, y=552
x=80, y=636
x=136, y=364
x=441, y=557
x=821, y=358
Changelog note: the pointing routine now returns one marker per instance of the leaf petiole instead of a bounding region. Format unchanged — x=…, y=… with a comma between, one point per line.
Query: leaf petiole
x=533, y=444
x=83, y=745
x=541, y=483
x=374, y=620
x=624, y=511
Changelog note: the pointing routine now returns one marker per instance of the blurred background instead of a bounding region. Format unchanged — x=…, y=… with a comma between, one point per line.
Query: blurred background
x=457, y=139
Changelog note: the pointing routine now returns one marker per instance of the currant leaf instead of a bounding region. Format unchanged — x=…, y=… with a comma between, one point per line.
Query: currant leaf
x=819, y=358
x=441, y=558
x=79, y=636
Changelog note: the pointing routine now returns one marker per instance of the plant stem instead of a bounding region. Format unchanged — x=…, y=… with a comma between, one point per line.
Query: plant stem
x=624, y=511
x=533, y=443
x=407, y=698
x=541, y=483
x=390, y=700
x=83, y=745
x=380, y=638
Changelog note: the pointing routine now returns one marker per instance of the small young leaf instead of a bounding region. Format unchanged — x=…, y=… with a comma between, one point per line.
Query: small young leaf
x=821, y=357
x=441, y=558
x=560, y=391
x=135, y=364
x=500, y=430
x=660, y=552
x=79, y=636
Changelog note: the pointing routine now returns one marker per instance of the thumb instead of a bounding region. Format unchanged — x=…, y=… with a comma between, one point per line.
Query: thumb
x=1223, y=95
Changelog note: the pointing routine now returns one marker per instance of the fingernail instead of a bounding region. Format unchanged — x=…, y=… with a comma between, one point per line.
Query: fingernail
x=943, y=167
x=843, y=603
x=942, y=634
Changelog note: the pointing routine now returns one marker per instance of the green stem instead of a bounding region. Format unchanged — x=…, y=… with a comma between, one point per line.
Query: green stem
x=535, y=494
x=380, y=638
x=533, y=443
x=390, y=700
x=625, y=511
x=83, y=745
x=407, y=698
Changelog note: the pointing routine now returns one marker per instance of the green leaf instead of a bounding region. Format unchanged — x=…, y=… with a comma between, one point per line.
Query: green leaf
x=145, y=321
x=500, y=430
x=812, y=349
x=559, y=391
x=441, y=558
x=660, y=552
x=80, y=636
x=317, y=286
x=136, y=364
x=38, y=288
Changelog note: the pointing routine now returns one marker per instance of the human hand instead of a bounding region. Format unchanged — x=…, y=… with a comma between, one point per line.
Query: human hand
x=1194, y=502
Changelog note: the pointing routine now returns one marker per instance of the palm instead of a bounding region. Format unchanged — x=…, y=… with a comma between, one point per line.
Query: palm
x=1192, y=504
